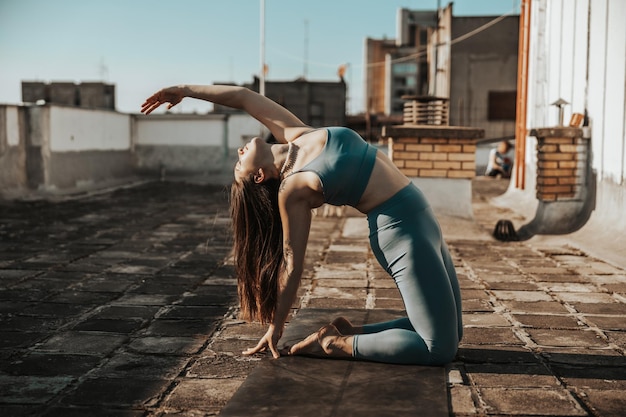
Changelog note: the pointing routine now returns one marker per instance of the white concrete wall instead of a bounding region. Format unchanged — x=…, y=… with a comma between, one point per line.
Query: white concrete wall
x=195, y=130
x=190, y=144
x=84, y=147
x=608, y=34
x=578, y=50
x=12, y=126
x=12, y=148
x=179, y=130
x=75, y=130
x=578, y=53
x=241, y=128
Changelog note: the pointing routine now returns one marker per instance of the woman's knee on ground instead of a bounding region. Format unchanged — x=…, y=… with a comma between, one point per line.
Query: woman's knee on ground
x=443, y=354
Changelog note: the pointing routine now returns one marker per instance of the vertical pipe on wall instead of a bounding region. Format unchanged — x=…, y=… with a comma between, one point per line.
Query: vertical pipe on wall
x=262, y=47
x=522, y=93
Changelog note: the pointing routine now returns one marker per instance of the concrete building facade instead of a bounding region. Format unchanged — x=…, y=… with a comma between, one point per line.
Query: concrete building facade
x=432, y=56
x=94, y=95
x=316, y=103
x=483, y=75
x=398, y=67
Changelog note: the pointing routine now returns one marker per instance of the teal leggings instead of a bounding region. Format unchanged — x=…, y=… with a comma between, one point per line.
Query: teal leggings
x=406, y=240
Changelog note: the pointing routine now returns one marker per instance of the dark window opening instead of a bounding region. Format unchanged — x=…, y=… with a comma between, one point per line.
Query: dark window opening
x=502, y=105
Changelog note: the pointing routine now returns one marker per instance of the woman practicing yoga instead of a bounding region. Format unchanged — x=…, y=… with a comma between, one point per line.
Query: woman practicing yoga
x=277, y=185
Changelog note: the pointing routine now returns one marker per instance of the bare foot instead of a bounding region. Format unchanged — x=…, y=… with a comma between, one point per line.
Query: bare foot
x=310, y=346
x=326, y=342
x=344, y=326
x=334, y=343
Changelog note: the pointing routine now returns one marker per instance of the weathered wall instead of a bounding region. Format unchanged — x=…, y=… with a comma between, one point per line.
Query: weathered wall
x=86, y=146
x=183, y=144
x=12, y=148
x=480, y=64
x=54, y=147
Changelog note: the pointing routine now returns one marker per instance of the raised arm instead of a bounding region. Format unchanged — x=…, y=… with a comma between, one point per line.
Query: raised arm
x=283, y=124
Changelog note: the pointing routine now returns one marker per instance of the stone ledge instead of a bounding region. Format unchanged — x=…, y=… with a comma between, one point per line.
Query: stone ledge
x=557, y=132
x=433, y=131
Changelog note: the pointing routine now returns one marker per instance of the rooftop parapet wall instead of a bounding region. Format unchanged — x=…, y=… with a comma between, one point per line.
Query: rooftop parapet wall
x=440, y=160
x=434, y=152
x=53, y=147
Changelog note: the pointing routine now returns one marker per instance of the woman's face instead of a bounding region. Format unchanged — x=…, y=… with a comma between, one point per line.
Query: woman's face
x=251, y=158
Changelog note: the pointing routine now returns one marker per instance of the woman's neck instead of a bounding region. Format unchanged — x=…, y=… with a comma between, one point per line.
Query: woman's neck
x=289, y=160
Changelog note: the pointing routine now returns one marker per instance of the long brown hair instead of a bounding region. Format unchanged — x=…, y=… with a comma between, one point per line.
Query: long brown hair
x=258, y=246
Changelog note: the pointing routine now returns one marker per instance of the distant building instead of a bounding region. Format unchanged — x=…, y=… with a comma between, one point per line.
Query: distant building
x=398, y=67
x=93, y=95
x=483, y=75
x=316, y=103
x=476, y=76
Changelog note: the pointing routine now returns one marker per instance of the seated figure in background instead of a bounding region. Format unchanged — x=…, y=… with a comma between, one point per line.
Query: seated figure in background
x=500, y=161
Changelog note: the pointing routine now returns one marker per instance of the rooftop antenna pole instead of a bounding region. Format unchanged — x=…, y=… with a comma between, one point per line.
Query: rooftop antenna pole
x=306, y=48
x=262, y=74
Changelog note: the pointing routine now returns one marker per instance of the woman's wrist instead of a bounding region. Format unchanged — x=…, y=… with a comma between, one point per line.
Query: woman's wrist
x=185, y=90
x=275, y=326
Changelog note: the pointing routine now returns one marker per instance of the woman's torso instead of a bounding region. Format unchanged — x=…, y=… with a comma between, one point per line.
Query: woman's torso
x=343, y=169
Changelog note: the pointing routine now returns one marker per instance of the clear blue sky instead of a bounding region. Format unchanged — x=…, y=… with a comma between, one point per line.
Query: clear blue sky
x=142, y=45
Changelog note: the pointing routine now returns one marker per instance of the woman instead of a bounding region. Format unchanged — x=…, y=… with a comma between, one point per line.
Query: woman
x=277, y=185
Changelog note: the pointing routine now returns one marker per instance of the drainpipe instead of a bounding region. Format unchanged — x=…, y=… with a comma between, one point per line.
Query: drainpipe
x=566, y=185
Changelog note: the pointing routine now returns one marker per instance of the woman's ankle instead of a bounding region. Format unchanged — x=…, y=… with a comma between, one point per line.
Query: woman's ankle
x=345, y=327
x=334, y=343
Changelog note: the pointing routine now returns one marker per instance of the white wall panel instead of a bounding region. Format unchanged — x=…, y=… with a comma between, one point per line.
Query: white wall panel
x=538, y=66
x=554, y=41
x=180, y=132
x=73, y=130
x=241, y=127
x=596, y=84
x=614, y=97
x=580, y=48
x=12, y=126
x=566, y=50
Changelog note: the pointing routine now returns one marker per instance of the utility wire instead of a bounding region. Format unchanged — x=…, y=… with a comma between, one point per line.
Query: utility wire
x=408, y=57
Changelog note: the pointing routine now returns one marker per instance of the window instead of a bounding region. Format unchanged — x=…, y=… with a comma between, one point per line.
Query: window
x=405, y=68
x=423, y=37
x=399, y=81
x=501, y=105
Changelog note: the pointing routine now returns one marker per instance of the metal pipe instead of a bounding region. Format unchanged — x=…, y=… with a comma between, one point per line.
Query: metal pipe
x=522, y=95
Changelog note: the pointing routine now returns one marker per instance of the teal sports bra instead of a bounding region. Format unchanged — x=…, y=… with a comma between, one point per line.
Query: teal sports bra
x=344, y=166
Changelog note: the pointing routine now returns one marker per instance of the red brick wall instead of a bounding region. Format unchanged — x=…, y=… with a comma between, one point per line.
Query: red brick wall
x=434, y=157
x=561, y=167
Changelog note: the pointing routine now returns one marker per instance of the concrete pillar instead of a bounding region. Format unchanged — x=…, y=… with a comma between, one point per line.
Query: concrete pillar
x=562, y=159
x=440, y=160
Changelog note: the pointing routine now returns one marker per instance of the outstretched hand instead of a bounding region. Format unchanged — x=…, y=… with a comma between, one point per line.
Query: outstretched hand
x=171, y=95
x=268, y=341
